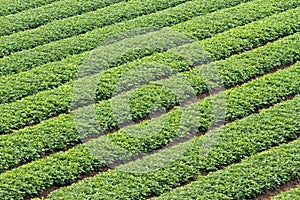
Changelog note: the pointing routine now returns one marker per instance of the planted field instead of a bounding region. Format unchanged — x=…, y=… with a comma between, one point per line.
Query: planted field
x=168, y=99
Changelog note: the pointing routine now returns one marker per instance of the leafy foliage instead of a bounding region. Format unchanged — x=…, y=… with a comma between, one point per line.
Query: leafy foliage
x=36, y=17
x=233, y=71
x=80, y=24
x=28, y=59
x=233, y=140
x=14, y=6
x=253, y=176
x=154, y=56
x=290, y=194
x=56, y=73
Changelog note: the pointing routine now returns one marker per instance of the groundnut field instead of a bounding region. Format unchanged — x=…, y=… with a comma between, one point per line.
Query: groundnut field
x=149, y=99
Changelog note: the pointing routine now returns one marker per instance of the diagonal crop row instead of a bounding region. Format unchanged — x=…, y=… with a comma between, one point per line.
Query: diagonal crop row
x=15, y=6
x=278, y=25
x=209, y=25
x=34, y=109
x=36, y=17
x=117, y=143
x=16, y=93
x=40, y=36
x=119, y=147
x=226, y=145
x=153, y=97
x=64, y=167
x=64, y=125
x=251, y=177
x=257, y=62
x=238, y=40
x=290, y=194
x=80, y=24
x=54, y=74
x=18, y=62
x=236, y=107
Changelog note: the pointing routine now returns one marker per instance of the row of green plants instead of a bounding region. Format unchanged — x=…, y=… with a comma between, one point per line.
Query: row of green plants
x=259, y=9
x=267, y=29
x=236, y=137
x=56, y=73
x=67, y=76
x=126, y=77
x=209, y=25
x=14, y=6
x=52, y=75
x=119, y=147
x=13, y=90
x=34, y=109
x=80, y=24
x=28, y=59
x=290, y=194
x=197, y=117
x=33, y=18
x=218, y=148
x=253, y=176
x=162, y=95
x=234, y=70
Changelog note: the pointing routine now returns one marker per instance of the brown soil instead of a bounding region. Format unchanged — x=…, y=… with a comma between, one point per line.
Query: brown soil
x=45, y=193
x=283, y=188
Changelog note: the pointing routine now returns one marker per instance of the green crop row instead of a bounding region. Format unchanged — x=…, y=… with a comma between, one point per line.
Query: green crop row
x=253, y=176
x=71, y=166
x=69, y=71
x=36, y=108
x=197, y=116
x=290, y=194
x=163, y=171
x=81, y=24
x=261, y=32
x=27, y=59
x=14, y=6
x=36, y=17
x=51, y=75
x=54, y=74
x=209, y=25
x=161, y=95
x=268, y=29
x=33, y=109
x=233, y=71
x=259, y=9
x=61, y=131
x=119, y=147
x=123, y=78
x=233, y=139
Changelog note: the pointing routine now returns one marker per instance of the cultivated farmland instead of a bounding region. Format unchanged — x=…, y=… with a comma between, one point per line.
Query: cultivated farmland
x=153, y=99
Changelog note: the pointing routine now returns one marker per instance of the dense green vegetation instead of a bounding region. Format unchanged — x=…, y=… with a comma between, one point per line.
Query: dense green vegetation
x=232, y=144
x=253, y=176
x=56, y=73
x=57, y=50
x=291, y=194
x=79, y=24
x=154, y=99
x=14, y=6
x=36, y=17
x=39, y=110
x=179, y=122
